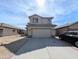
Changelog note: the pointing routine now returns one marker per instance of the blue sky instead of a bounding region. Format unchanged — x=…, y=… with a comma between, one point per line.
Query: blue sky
x=16, y=12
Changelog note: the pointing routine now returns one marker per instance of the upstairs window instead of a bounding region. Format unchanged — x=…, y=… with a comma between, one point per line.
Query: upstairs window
x=35, y=20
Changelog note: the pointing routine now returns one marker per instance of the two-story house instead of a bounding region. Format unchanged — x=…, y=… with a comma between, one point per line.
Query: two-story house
x=40, y=26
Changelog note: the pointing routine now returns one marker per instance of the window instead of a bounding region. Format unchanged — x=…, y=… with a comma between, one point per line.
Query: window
x=35, y=20
x=13, y=30
x=1, y=30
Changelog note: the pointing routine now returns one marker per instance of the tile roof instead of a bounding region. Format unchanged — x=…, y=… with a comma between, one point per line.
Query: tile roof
x=9, y=26
x=41, y=25
x=65, y=25
x=41, y=16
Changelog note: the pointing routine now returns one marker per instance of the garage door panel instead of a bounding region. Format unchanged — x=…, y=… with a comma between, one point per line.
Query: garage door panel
x=41, y=33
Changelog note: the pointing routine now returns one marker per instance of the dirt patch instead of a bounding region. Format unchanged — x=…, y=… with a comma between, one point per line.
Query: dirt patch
x=10, y=46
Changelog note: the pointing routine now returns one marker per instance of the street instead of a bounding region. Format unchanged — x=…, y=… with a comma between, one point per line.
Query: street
x=46, y=48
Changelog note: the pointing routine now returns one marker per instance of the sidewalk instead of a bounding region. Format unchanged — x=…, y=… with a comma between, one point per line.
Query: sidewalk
x=8, y=39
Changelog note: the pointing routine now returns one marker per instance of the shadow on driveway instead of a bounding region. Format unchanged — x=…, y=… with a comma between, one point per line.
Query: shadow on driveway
x=25, y=45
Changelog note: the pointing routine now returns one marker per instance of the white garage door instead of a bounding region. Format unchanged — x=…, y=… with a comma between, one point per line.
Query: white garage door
x=41, y=33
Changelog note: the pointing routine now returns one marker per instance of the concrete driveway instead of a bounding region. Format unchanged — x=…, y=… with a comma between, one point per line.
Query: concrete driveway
x=46, y=48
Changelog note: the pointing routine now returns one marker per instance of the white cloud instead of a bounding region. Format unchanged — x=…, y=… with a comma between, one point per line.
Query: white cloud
x=48, y=7
x=54, y=8
x=40, y=3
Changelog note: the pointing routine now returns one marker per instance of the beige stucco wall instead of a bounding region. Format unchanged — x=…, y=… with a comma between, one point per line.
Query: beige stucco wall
x=0, y=27
x=40, y=20
x=8, y=31
x=61, y=31
x=68, y=28
x=29, y=31
x=53, y=32
x=74, y=27
x=1, y=33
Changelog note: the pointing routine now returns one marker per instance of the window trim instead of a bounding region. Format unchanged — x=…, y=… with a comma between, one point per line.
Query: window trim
x=35, y=20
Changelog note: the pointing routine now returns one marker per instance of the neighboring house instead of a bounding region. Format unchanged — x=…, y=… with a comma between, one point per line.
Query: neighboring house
x=22, y=32
x=40, y=26
x=7, y=30
x=68, y=27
